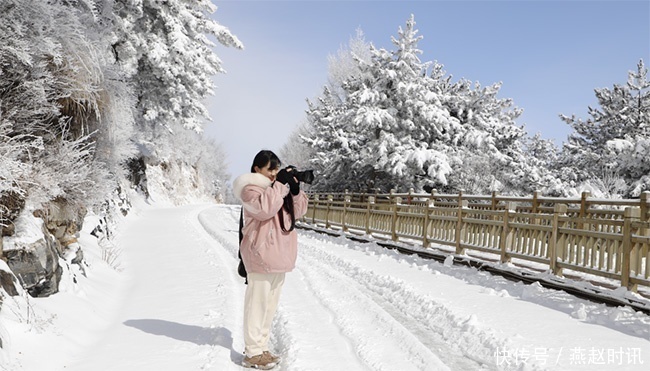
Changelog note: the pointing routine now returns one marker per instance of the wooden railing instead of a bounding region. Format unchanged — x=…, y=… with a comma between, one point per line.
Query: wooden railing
x=603, y=237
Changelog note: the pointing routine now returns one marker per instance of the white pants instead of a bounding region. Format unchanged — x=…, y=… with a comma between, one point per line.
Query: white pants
x=260, y=304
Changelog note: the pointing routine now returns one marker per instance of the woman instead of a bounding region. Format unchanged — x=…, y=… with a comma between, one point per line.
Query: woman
x=271, y=200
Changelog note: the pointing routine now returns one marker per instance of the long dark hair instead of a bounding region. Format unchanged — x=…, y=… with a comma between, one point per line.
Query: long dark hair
x=266, y=157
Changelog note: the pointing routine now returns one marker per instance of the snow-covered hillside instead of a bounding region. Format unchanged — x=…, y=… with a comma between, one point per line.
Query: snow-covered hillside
x=175, y=303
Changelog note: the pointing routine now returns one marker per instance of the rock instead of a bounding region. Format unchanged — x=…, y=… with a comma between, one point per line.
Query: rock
x=64, y=221
x=37, y=267
x=8, y=283
x=138, y=174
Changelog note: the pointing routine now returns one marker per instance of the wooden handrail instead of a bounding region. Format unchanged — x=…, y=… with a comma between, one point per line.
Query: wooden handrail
x=606, y=238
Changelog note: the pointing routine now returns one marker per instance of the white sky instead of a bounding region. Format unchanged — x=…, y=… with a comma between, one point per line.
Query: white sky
x=549, y=55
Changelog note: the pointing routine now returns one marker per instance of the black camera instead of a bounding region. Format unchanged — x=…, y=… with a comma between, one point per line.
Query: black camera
x=306, y=176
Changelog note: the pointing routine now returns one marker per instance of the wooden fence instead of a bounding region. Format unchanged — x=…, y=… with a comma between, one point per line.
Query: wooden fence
x=606, y=238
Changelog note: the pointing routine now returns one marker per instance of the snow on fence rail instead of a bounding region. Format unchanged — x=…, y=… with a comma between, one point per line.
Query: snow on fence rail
x=606, y=238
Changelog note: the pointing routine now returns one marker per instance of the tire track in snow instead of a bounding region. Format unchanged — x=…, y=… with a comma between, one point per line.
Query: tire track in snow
x=381, y=342
x=314, y=334
x=444, y=332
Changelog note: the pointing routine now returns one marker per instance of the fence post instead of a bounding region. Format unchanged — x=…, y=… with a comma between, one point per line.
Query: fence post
x=346, y=201
x=459, y=223
x=584, y=205
x=644, y=198
x=330, y=198
x=494, y=200
x=631, y=215
x=535, y=202
x=371, y=200
x=555, y=250
x=393, y=227
x=425, y=219
x=505, y=240
x=313, y=214
x=645, y=232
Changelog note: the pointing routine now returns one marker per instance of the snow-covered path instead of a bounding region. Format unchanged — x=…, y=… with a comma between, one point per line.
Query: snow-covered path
x=347, y=306
x=174, y=294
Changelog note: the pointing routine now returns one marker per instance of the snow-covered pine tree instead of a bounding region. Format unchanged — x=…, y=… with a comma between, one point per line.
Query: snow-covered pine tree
x=390, y=131
x=332, y=157
x=165, y=50
x=407, y=132
x=632, y=151
x=401, y=127
x=299, y=150
x=296, y=151
x=491, y=153
x=345, y=64
x=613, y=143
x=542, y=159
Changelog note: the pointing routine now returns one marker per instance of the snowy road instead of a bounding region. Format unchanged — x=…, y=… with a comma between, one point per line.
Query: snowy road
x=354, y=306
x=347, y=306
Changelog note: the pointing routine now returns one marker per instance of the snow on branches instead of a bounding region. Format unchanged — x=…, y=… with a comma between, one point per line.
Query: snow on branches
x=398, y=122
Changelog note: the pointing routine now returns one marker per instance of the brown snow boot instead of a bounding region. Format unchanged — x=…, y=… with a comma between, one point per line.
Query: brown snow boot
x=261, y=361
x=275, y=359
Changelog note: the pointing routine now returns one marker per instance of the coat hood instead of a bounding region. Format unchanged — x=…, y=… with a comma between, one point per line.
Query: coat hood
x=249, y=179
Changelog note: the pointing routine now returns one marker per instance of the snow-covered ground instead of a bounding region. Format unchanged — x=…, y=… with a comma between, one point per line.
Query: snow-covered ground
x=175, y=303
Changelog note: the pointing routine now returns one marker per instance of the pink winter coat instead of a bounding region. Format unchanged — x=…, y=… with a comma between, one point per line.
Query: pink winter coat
x=265, y=248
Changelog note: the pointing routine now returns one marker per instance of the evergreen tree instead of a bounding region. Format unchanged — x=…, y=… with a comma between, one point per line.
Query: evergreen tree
x=345, y=64
x=332, y=155
x=492, y=156
x=295, y=151
x=542, y=157
x=401, y=127
x=164, y=47
x=385, y=125
x=165, y=50
x=301, y=150
x=613, y=142
x=76, y=77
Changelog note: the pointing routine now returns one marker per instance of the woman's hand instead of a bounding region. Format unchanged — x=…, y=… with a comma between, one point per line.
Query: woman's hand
x=285, y=177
